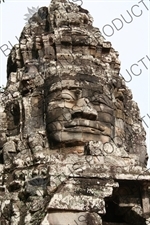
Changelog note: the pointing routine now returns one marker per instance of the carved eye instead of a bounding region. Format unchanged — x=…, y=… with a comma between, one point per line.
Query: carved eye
x=68, y=95
x=96, y=100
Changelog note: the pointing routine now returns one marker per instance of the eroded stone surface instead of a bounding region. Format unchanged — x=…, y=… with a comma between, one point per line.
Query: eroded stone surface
x=72, y=144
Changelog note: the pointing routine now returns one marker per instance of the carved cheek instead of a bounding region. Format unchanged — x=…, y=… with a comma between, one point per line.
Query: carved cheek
x=69, y=104
x=55, y=126
x=54, y=112
x=54, y=105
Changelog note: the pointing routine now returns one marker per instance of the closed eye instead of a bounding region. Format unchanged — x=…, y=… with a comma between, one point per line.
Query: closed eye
x=68, y=95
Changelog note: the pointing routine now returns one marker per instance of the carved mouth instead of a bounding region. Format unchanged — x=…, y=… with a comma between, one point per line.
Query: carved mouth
x=85, y=125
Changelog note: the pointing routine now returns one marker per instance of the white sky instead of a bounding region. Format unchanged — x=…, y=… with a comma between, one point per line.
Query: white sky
x=131, y=40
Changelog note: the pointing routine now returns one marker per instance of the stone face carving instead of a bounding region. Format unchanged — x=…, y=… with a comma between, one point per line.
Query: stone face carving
x=72, y=144
x=74, y=116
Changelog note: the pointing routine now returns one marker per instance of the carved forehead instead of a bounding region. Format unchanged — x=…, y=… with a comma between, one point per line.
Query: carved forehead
x=76, y=85
x=77, y=75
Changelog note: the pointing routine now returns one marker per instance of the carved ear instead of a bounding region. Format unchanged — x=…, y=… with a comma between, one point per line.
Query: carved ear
x=13, y=118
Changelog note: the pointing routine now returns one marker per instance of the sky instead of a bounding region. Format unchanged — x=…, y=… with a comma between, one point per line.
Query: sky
x=126, y=24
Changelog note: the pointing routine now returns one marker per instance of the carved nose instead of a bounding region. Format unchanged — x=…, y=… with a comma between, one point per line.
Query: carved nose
x=84, y=109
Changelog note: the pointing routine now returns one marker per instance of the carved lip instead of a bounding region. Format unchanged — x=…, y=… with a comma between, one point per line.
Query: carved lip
x=84, y=123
